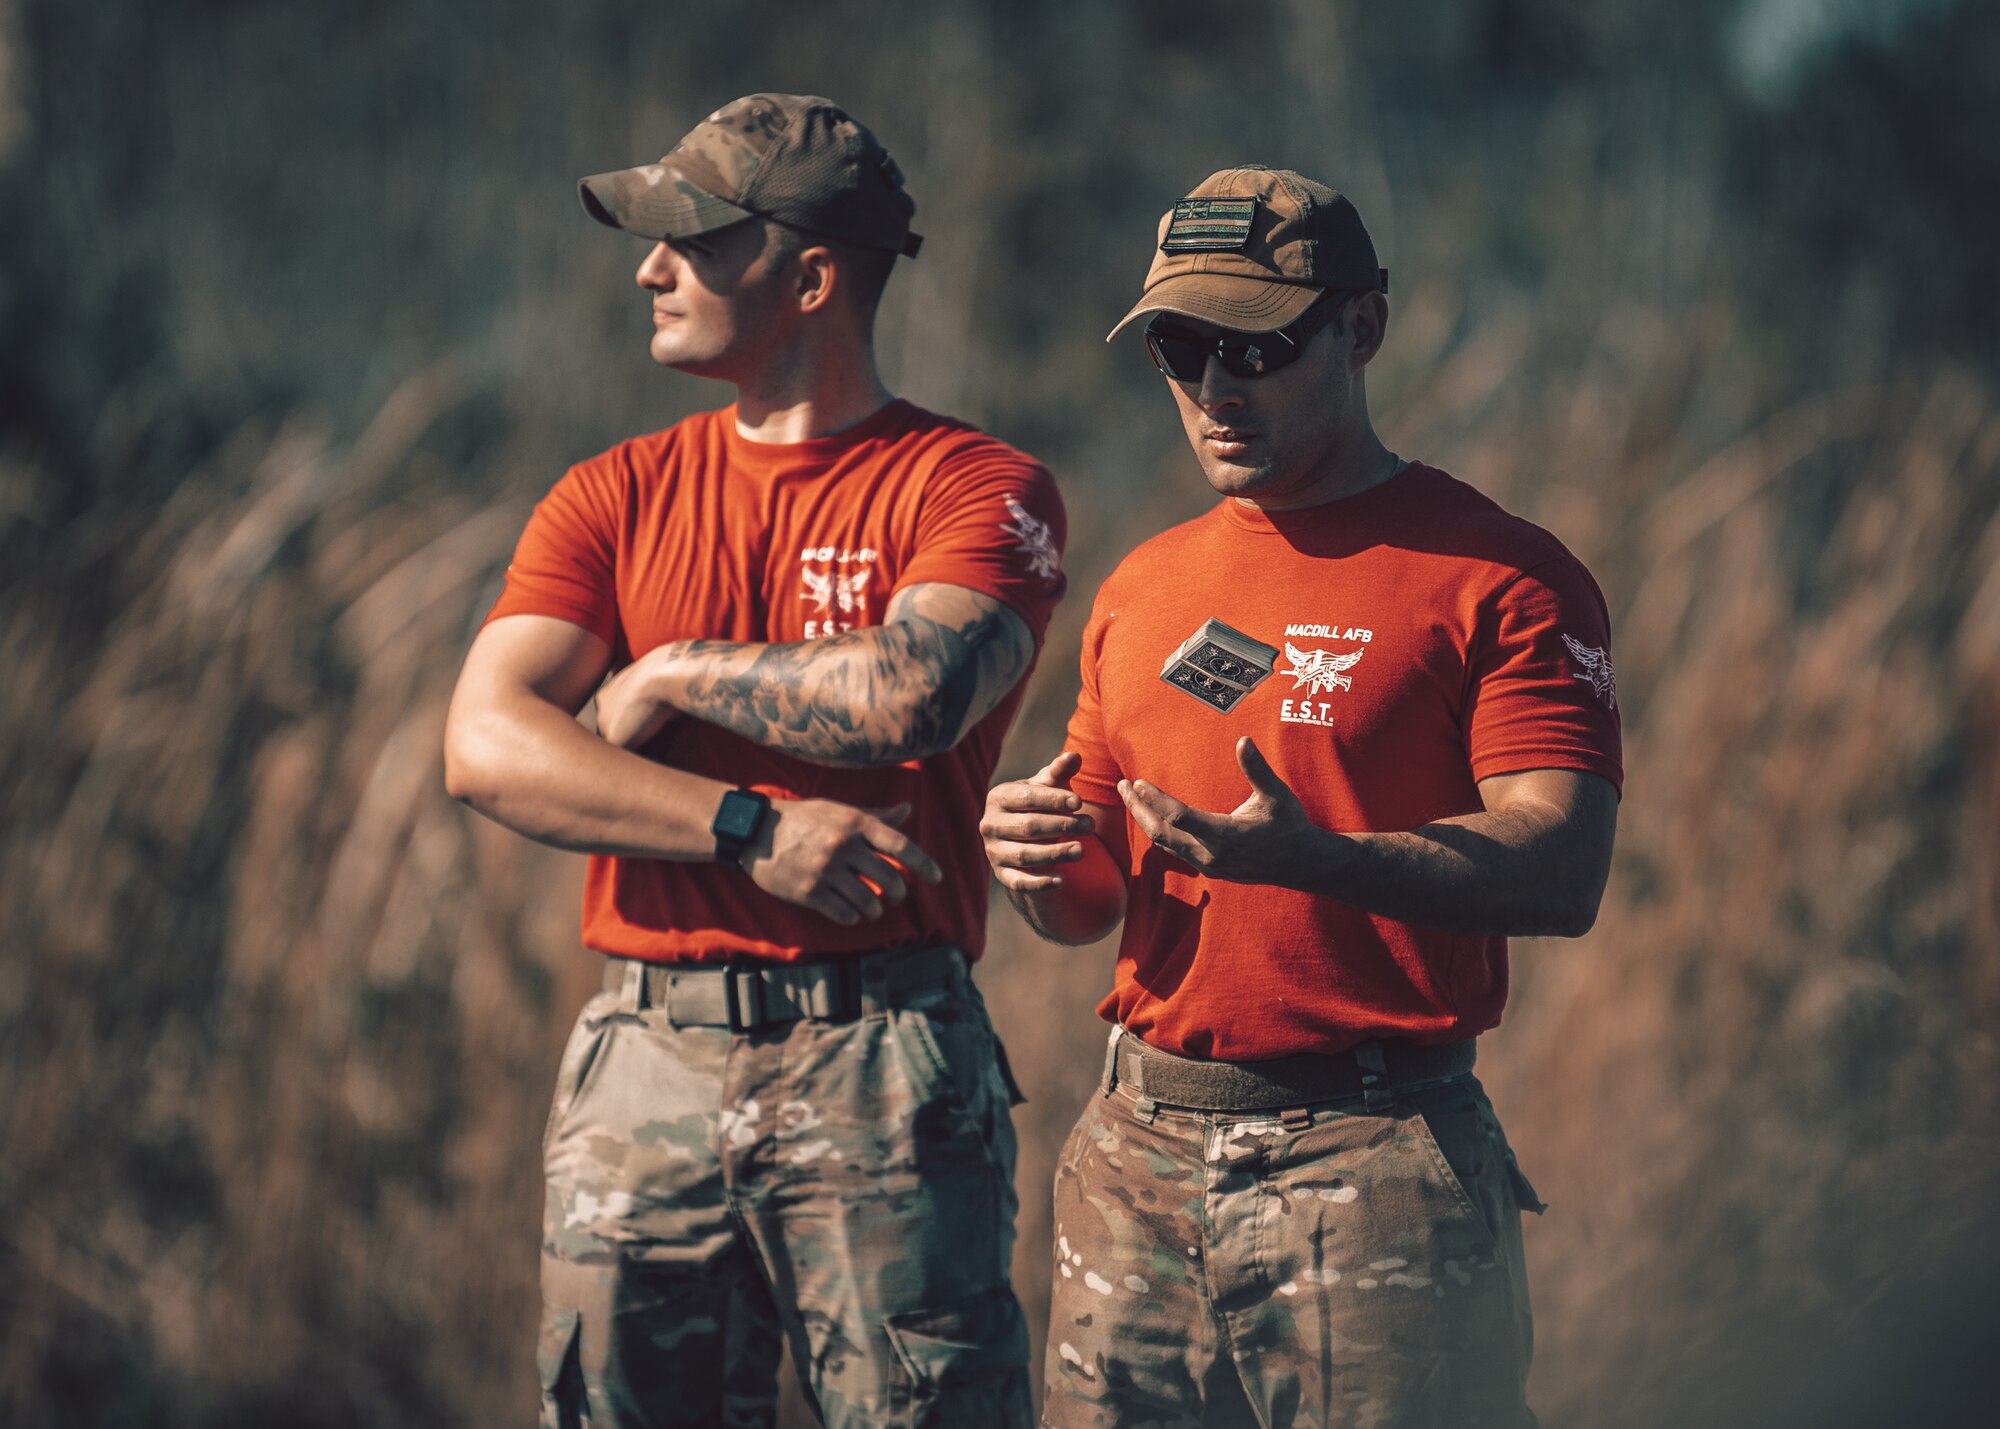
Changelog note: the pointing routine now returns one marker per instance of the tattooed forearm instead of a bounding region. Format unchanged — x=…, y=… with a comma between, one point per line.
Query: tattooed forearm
x=903, y=690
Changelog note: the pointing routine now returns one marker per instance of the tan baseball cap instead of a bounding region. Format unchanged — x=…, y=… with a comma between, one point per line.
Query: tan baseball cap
x=1251, y=248
x=796, y=158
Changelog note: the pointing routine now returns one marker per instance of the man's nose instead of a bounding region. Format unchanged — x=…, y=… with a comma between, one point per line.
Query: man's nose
x=1218, y=389
x=656, y=269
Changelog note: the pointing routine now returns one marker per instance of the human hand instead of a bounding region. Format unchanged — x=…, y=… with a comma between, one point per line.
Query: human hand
x=844, y=863
x=1266, y=839
x=629, y=709
x=1031, y=826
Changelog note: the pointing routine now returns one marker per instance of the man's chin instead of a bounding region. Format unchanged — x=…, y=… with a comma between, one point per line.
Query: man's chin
x=1233, y=479
x=673, y=355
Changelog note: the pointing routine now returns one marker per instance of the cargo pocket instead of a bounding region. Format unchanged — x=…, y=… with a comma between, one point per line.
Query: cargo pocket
x=950, y=1049
x=923, y=1059
x=562, y=1372
x=579, y=1057
x=966, y=1364
x=1467, y=1158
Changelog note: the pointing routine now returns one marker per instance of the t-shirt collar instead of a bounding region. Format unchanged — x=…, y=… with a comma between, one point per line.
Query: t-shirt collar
x=1347, y=509
x=887, y=418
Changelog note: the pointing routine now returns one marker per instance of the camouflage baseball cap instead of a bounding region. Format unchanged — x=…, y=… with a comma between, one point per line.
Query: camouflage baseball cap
x=1251, y=248
x=793, y=157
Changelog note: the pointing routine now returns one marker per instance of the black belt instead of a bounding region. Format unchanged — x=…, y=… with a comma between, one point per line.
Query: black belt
x=1371, y=1073
x=746, y=996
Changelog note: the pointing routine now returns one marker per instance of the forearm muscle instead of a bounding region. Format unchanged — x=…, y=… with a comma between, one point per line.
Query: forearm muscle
x=902, y=690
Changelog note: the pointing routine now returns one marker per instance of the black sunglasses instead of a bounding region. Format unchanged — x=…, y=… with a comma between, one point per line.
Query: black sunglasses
x=1183, y=355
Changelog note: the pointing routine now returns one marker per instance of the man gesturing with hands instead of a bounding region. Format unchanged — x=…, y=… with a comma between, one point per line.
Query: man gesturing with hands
x=1337, y=740
x=786, y=1116
x=1040, y=837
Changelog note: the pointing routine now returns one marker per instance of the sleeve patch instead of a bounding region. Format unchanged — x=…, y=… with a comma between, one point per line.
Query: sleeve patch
x=1033, y=539
x=1594, y=669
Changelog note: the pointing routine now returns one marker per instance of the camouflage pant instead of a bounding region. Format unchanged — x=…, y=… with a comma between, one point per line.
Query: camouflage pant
x=849, y=1186
x=1320, y=1266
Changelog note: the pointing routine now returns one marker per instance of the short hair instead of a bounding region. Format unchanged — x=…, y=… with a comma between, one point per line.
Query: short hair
x=864, y=271
x=868, y=270
x=1336, y=301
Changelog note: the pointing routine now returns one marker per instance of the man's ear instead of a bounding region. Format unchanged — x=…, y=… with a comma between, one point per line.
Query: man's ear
x=1368, y=323
x=819, y=278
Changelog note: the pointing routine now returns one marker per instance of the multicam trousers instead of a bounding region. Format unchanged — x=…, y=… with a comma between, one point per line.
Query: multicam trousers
x=1318, y=1266
x=847, y=1185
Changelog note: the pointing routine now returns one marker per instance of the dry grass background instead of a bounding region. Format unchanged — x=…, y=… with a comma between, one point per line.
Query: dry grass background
x=277, y=1019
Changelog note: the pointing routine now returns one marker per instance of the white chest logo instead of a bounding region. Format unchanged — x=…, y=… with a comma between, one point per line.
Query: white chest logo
x=835, y=590
x=1317, y=670
x=1035, y=541
x=1595, y=667
x=834, y=579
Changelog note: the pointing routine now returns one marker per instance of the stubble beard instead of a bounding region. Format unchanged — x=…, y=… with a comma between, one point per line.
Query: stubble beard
x=1230, y=478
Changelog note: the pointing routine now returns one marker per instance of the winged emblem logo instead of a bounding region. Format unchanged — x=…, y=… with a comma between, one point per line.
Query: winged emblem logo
x=1316, y=670
x=1594, y=670
x=830, y=590
x=1035, y=541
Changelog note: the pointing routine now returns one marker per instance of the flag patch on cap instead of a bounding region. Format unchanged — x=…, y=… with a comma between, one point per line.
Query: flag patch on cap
x=1209, y=225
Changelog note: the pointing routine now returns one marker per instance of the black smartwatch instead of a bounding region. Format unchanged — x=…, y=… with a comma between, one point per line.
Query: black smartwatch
x=736, y=824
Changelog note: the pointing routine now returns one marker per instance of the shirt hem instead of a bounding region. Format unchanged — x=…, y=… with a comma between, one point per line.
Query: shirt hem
x=1579, y=761
x=1463, y=1031
x=582, y=619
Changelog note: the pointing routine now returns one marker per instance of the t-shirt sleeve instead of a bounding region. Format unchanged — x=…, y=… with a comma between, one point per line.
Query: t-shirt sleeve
x=1541, y=690
x=1096, y=780
x=564, y=565
x=993, y=521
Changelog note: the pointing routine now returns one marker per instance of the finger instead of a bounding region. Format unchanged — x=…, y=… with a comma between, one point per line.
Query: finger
x=1164, y=820
x=1198, y=822
x=846, y=885
x=1019, y=855
x=1158, y=801
x=1058, y=771
x=893, y=815
x=1024, y=797
x=1029, y=827
x=1143, y=814
x=903, y=850
x=1257, y=769
x=832, y=907
x=1015, y=881
x=882, y=876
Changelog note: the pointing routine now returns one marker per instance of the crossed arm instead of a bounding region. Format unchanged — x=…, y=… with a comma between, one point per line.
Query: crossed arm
x=514, y=751
x=1533, y=861
x=906, y=689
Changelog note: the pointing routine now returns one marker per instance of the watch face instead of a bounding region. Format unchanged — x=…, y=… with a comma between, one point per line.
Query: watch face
x=737, y=820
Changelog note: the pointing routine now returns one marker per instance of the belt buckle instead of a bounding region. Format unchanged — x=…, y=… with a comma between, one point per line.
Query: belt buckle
x=742, y=983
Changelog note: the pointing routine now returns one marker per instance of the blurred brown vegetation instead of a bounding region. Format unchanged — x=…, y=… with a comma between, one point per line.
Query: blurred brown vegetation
x=299, y=318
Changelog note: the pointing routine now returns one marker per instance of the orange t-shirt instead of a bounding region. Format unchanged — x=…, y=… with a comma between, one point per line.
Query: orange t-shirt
x=698, y=533
x=1426, y=640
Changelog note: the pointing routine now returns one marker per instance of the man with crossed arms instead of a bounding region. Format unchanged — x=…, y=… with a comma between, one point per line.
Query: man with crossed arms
x=1337, y=740
x=787, y=1113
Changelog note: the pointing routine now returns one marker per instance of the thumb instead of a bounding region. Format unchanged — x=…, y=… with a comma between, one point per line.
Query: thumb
x=893, y=815
x=1263, y=778
x=1057, y=773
